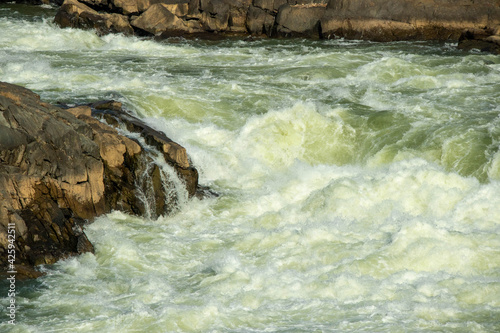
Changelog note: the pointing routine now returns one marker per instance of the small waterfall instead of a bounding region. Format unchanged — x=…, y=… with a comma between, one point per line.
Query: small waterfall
x=160, y=189
x=159, y=185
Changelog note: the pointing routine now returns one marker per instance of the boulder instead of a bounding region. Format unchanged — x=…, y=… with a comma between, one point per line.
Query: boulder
x=237, y=21
x=74, y=14
x=224, y=15
x=157, y=19
x=163, y=19
x=486, y=40
x=261, y=17
x=388, y=20
x=60, y=168
x=300, y=20
x=259, y=21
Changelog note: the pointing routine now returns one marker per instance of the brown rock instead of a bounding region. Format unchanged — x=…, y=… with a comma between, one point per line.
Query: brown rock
x=379, y=20
x=73, y=14
x=174, y=154
x=300, y=20
x=127, y=7
x=96, y=3
x=58, y=168
x=486, y=40
x=160, y=19
x=80, y=110
x=386, y=20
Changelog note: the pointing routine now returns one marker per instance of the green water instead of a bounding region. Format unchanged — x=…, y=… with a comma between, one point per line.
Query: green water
x=359, y=185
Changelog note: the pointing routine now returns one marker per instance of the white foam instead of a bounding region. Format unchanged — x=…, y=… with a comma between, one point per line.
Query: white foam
x=352, y=194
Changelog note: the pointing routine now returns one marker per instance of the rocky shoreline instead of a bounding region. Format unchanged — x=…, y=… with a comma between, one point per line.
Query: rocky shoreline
x=474, y=23
x=62, y=167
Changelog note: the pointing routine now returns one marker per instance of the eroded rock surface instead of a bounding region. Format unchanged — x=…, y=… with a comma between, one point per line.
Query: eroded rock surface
x=62, y=167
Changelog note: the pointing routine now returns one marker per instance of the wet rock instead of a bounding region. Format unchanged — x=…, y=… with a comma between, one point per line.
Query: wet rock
x=173, y=153
x=62, y=167
x=74, y=14
x=485, y=40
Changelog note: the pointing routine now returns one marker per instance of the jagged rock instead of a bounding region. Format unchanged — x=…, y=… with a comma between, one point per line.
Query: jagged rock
x=59, y=168
x=486, y=40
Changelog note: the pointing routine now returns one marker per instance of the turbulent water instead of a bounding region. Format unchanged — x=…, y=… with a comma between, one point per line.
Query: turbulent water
x=359, y=185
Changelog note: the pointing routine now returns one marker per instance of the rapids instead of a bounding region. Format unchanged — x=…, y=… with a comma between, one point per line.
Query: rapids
x=359, y=185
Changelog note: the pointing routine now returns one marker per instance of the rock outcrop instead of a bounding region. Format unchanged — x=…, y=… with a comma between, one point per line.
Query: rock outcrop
x=378, y=20
x=389, y=20
x=62, y=167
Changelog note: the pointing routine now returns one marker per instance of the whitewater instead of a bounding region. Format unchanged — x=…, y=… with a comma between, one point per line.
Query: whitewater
x=358, y=182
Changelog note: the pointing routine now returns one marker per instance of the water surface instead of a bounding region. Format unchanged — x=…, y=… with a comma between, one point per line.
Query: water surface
x=359, y=185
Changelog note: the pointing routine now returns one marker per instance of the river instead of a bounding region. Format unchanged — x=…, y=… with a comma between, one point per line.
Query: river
x=359, y=185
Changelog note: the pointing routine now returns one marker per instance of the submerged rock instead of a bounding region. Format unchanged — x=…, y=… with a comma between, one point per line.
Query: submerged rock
x=60, y=168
